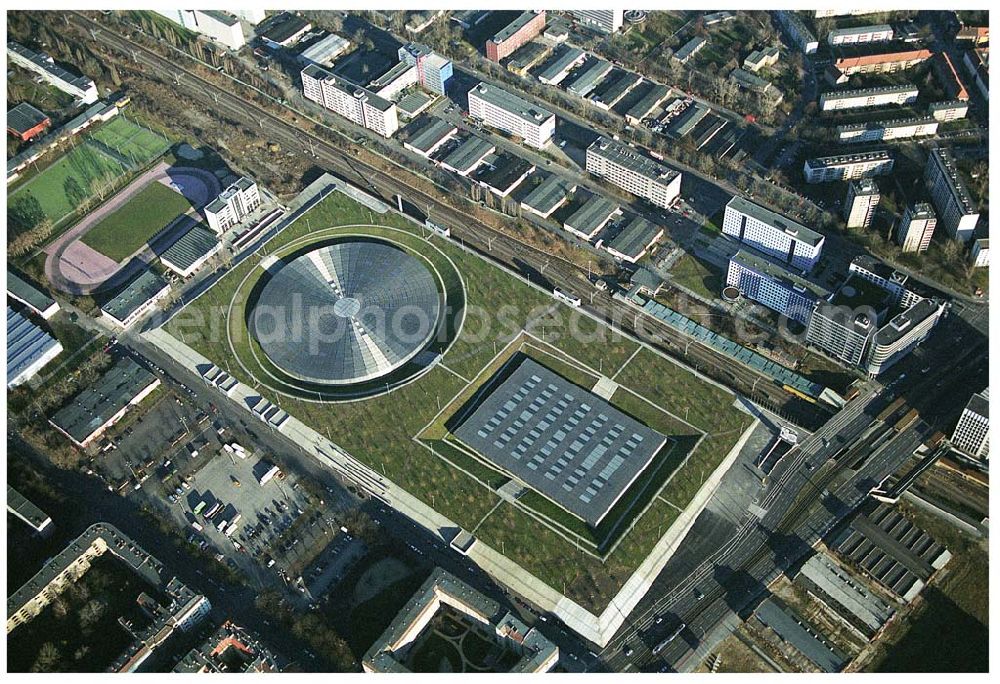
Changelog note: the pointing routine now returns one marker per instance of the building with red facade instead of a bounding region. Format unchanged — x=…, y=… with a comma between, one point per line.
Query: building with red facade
x=26, y=122
x=515, y=34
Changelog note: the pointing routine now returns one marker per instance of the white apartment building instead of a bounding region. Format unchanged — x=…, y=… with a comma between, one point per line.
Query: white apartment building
x=515, y=115
x=898, y=129
x=777, y=236
x=955, y=209
x=859, y=207
x=847, y=166
x=78, y=86
x=949, y=110
x=608, y=21
x=972, y=434
x=868, y=97
x=360, y=105
x=798, y=31
x=774, y=286
x=626, y=168
x=878, y=33
x=233, y=205
x=222, y=27
x=917, y=228
x=979, y=256
x=902, y=334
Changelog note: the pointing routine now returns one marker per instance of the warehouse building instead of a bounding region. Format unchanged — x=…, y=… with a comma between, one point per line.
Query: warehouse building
x=587, y=221
x=634, y=240
x=357, y=104
x=508, y=39
x=136, y=299
x=429, y=138
x=644, y=107
x=232, y=205
x=609, y=94
x=972, y=433
x=25, y=122
x=284, y=30
x=504, y=174
x=190, y=251
x=633, y=172
x=770, y=283
x=40, y=63
x=955, y=209
x=916, y=228
x=35, y=299
x=893, y=129
x=588, y=76
x=464, y=159
x=548, y=196
x=877, y=33
x=868, y=97
x=565, y=60
x=102, y=404
x=859, y=207
x=608, y=21
x=513, y=114
x=846, y=592
x=848, y=166
x=325, y=51
x=29, y=349
x=777, y=236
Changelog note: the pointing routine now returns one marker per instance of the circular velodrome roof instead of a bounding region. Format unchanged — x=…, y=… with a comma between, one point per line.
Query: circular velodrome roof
x=347, y=312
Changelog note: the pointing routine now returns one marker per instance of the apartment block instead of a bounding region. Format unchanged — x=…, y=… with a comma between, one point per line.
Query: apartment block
x=885, y=63
x=433, y=70
x=948, y=110
x=955, y=208
x=797, y=31
x=847, y=166
x=608, y=21
x=979, y=255
x=79, y=87
x=517, y=33
x=859, y=206
x=777, y=236
x=901, y=335
x=761, y=59
x=770, y=283
x=868, y=97
x=972, y=434
x=878, y=33
x=894, y=129
x=917, y=228
x=352, y=102
x=515, y=115
x=633, y=172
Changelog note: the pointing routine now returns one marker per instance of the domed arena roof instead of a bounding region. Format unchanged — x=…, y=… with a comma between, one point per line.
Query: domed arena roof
x=347, y=312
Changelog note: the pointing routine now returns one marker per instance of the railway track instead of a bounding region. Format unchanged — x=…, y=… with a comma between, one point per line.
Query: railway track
x=488, y=241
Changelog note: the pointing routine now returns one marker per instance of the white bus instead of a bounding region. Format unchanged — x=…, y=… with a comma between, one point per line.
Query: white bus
x=570, y=299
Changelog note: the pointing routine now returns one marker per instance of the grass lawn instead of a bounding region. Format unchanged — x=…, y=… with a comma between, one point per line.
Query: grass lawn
x=696, y=276
x=123, y=232
x=380, y=431
x=67, y=183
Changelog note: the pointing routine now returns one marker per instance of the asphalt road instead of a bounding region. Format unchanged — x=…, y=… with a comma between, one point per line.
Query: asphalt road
x=543, y=268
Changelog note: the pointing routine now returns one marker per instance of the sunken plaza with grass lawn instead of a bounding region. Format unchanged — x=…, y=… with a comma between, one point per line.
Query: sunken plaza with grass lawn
x=640, y=431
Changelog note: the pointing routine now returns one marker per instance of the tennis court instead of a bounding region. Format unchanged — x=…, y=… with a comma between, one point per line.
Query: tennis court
x=131, y=140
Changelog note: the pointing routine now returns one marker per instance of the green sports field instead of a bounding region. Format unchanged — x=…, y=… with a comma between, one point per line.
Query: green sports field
x=123, y=232
x=399, y=433
x=69, y=182
x=131, y=140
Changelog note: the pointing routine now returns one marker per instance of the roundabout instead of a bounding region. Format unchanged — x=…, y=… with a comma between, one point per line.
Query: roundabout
x=346, y=313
